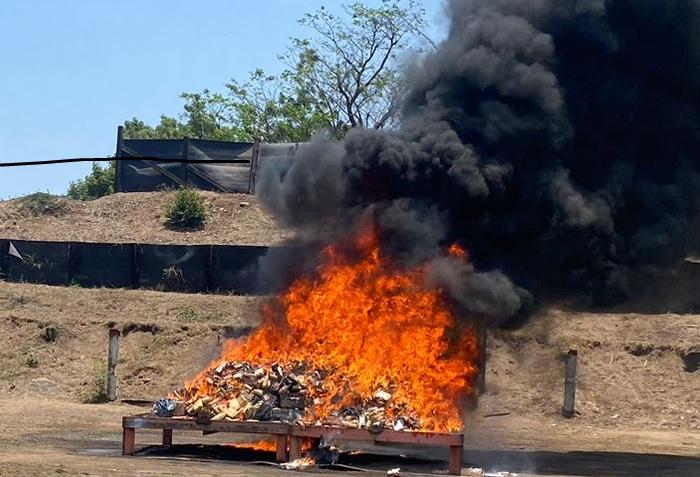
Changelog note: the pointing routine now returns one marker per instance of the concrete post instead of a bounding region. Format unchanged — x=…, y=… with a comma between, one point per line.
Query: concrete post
x=569, y=385
x=112, y=358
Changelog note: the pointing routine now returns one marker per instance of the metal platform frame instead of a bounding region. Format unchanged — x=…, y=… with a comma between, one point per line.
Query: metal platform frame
x=289, y=438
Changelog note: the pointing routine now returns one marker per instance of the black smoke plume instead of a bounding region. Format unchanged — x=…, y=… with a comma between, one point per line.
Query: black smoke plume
x=557, y=140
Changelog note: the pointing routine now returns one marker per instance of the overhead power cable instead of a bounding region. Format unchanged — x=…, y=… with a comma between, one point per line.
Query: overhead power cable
x=140, y=158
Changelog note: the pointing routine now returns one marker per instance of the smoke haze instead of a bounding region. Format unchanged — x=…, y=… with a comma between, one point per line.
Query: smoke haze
x=557, y=140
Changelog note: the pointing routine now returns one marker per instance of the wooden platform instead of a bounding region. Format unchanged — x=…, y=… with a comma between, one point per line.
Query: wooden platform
x=289, y=438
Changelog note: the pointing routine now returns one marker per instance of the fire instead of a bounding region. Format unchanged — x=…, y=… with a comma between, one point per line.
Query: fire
x=456, y=251
x=261, y=445
x=367, y=325
x=267, y=445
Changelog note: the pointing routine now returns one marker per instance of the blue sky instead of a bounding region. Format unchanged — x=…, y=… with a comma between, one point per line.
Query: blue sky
x=72, y=70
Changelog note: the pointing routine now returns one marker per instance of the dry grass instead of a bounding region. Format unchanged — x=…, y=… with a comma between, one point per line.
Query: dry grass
x=631, y=374
x=630, y=370
x=138, y=217
x=168, y=337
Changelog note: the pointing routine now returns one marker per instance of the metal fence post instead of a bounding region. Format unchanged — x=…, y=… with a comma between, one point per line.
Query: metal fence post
x=72, y=261
x=118, y=180
x=4, y=258
x=183, y=165
x=134, y=264
x=569, y=385
x=255, y=156
x=209, y=268
x=112, y=358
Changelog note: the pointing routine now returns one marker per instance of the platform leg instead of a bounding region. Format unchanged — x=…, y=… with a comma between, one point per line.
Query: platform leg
x=167, y=437
x=282, y=454
x=456, y=460
x=295, y=444
x=128, y=441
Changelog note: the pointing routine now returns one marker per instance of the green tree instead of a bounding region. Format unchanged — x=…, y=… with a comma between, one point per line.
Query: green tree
x=350, y=68
x=264, y=108
x=268, y=108
x=345, y=75
x=168, y=128
x=208, y=116
x=98, y=183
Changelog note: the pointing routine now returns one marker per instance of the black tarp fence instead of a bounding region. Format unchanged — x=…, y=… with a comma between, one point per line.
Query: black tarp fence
x=237, y=174
x=183, y=268
x=102, y=265
x=142, y=175
x=174, y=268
x=42, y=262
x=236, y=268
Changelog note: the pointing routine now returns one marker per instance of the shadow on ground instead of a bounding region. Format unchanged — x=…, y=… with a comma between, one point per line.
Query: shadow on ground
x=593, y=464
x=347, y=461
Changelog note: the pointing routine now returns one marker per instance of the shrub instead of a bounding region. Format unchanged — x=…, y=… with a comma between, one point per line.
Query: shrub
x=186, y=209
x=42, y=203
x=96, y=390
x=98, y=183
x=174, y=278
x=31, y=362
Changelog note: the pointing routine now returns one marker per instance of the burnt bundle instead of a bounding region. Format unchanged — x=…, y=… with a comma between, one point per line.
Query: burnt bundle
x=294, y=394
x=241, y=391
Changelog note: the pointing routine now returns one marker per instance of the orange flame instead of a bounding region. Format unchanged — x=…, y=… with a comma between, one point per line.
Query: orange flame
x=261, y=445
x=456, y=251
x=368, y=325
x=268, y=445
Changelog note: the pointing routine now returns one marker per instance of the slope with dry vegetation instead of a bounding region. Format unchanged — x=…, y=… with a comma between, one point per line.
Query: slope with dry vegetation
x=631, y=368
x=138, y=217
x=634, y=370
x=167, y=337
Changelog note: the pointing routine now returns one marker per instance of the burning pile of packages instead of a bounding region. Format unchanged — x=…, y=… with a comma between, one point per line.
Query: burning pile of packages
x=294, y=394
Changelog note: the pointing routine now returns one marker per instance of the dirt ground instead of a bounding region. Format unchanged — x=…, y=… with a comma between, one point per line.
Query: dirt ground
x=138, y=217
x=167, y=337
x=631, y=372
x=636, y=401
x=55, y=437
